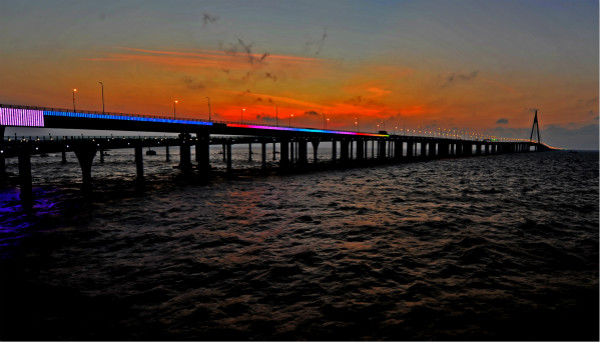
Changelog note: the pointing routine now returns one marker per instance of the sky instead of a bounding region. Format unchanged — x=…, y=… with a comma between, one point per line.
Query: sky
x=471, y=65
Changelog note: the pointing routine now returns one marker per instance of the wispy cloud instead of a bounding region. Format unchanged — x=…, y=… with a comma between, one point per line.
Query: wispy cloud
x=458, y=77
x=223, y=60
x=502, y=121
x=208, y=18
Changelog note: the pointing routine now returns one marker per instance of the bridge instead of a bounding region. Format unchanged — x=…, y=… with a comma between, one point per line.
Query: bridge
x=348, y=149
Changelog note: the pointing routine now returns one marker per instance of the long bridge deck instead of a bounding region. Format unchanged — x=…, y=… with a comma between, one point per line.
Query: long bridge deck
x=348, y=148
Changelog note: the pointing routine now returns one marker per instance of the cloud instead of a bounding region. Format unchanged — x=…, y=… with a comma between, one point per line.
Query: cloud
x=502, y=121
x=208, y=19
x=191, y=84
x=456, y=77
x=319, y=43
x=312, y=112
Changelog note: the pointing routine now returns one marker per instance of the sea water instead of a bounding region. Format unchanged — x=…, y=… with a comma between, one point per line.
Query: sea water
x=495, y=247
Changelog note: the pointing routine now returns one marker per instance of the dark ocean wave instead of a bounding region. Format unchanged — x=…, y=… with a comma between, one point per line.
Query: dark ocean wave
x=502, y=247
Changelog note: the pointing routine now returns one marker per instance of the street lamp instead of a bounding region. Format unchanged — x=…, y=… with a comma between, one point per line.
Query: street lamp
x=356, y=124
x=174, y=103
x=208, y=99
x=102, y=85
x=74, y=91
x=291, y=116
x=326, y=122
x=242, y=115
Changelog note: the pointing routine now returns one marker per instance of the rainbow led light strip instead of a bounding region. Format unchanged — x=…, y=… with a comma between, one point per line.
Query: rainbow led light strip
x=21, y=117
x=308, y=130
x=125, y=118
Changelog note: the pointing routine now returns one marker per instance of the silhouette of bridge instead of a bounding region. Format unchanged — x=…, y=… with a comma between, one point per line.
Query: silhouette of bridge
x=348, y=149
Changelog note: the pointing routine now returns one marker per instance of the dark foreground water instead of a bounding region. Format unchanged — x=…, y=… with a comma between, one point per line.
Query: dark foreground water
x=501, y=247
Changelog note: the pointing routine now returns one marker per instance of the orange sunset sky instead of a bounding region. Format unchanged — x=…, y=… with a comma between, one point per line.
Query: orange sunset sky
x=482, y=66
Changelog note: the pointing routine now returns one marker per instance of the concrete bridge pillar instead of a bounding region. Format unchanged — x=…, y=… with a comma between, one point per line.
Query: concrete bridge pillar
x=360, y=149
x=302, y=152
x=63, y=156
x=410, y=149
x=344, y=149
x=284, y=154
x=423, y=150
x=102, y=155
x=398, y=150
x=203, y=151
x=185, y=162
x=85, y=152
x=381, y=149
x=2, y=159
x=225, y=152
x=167, y=154
x=478, y=148
x=315, y=145
x=249, y=151
x=487, y=148
x=25, y=181
x=264, y=155
x=274, y=150
x=333, y=150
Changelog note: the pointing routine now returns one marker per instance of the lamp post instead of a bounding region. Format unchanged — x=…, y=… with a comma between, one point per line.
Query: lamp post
x=208, y=99
x=291, y=116
x=326, y=122
x=356, y=124
x=102, y=85
x=74, y=91
x=174, y=103
x=242, y=115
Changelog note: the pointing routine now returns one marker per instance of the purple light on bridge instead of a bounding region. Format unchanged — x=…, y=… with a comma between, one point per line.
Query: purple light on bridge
x=21, y=117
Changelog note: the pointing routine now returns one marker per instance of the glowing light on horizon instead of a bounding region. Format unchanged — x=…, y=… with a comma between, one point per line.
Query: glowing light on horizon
x=307, y=130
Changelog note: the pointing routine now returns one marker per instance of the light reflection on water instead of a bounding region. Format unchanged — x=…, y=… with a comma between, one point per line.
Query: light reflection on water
x=501, y=247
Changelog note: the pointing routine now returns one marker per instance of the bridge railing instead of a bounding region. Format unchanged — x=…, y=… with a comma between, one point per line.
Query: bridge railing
x=404, y=133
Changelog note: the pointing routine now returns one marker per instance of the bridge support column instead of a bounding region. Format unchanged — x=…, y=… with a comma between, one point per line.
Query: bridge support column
x=2, y=159
x=264, y=156
x=139, y=164
x=26, y=194
x=167, y=153
x=487, y=148
x=360, y=150
x=423, y=150
x=478, y=148
x=274, y=150
x=249, y=151
x=284, y=154
x=292, y=154
x=398, y=150
x=185, y=162
x=224, y=152
x=63, y=157
x=101, y=155
x=333, y=150
x=381, y=149
x=203, y=152
x=344, y=148
x=409, y=149
x=302, y=152
x=85, y=155
x=315, y=145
